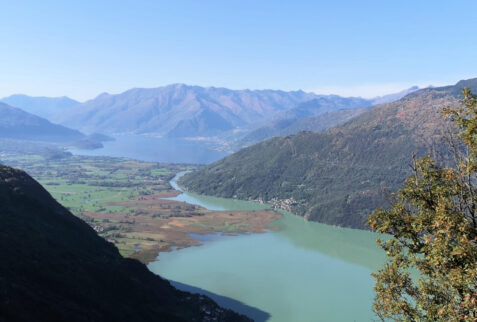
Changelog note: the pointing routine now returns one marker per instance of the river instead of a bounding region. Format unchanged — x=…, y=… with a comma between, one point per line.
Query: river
x=302, y=271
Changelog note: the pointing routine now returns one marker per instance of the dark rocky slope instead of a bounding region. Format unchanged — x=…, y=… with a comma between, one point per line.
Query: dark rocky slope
x=54, y=267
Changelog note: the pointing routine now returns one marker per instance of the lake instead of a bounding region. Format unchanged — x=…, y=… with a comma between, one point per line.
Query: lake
x=302, y=271
x=147, y=148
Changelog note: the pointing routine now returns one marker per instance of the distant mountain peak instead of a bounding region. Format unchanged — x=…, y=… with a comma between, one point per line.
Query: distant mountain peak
x=394, y=96
x=471, y=82
x=336, y=177
x=18, y=124
x=178, y=108
x=42, y=106
x=102, y=95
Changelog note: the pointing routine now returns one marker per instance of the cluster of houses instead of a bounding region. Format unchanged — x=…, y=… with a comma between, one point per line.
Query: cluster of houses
x=283, y=204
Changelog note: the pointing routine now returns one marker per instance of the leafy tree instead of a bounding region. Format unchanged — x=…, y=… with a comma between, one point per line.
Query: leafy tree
x=431, y=272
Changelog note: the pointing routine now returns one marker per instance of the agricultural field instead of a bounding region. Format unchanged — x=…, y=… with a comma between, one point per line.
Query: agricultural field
x=123, y=200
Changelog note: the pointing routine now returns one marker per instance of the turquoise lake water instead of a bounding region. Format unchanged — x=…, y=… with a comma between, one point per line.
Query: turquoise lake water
x=302, y=271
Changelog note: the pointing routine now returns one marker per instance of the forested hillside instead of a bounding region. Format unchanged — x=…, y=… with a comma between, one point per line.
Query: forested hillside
x=337, y=177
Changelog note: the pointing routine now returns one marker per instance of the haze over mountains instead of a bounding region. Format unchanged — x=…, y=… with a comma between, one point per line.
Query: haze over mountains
x=336, y=177
x=241, y=117
x=42, y=106
x=18, y=124
x=191, y=111
x=316, y=115
x=28, y=133
x=178, y=110
x=394, y=96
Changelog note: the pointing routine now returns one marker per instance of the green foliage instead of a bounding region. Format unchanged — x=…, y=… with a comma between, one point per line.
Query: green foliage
x=431, y=273
x=336, y=177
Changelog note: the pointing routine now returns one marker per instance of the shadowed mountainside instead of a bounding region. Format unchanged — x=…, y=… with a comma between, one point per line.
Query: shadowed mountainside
x=42, y=106
x=336, y=177
x=54, y=267
x=18, y=124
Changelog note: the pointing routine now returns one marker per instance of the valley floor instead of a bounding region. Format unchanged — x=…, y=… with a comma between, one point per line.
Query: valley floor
x=125, y=201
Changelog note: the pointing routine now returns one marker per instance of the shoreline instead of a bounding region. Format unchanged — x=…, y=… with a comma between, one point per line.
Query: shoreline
x=223, y=222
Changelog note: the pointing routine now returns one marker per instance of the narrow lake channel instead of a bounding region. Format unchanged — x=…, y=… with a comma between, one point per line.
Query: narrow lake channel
x=302, y=271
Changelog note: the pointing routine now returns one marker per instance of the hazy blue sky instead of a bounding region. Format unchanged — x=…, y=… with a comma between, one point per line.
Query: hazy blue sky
x=83, y=48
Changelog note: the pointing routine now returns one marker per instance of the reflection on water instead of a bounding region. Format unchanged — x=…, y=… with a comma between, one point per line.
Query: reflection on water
x=301, y=272
x=351, y=245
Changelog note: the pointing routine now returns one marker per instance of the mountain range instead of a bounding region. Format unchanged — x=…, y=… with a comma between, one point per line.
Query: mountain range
x=18, y=124
x=316, y=115
x=191, y=111
x=45, y=107
x=336, y=177
x=54, y=267
x=177, y=110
